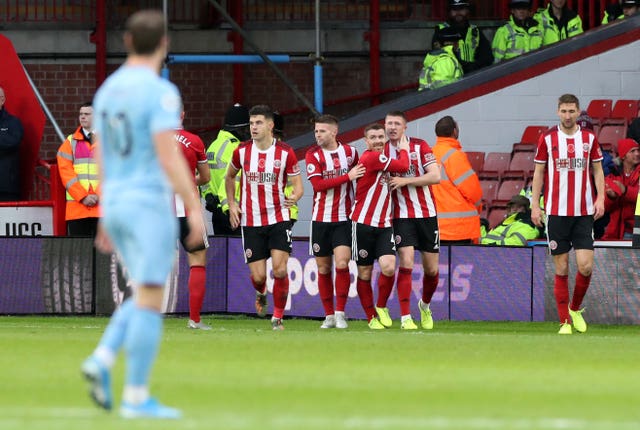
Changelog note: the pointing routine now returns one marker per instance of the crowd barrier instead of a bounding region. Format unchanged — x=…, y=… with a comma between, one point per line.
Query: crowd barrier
x=58, y=275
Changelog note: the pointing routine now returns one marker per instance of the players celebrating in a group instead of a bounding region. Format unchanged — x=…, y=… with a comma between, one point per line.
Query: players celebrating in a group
x=564, y=159
x=263, y=212
x=371, y=215
x=415, y=225
x=331, y=168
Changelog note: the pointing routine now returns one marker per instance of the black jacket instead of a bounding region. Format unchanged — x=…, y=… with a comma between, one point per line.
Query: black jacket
x=10, y=137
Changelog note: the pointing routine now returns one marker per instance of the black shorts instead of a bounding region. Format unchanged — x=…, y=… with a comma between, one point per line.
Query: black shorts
x=184, y=232
x=565, y=232
x=421, y=233
x=326, y=236
x=258, y=242
x=371, y=243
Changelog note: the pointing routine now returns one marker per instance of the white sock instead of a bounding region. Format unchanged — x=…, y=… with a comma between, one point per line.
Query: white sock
x=135, y=395
x=339, y=314
x=403, y=318
x=105, y=356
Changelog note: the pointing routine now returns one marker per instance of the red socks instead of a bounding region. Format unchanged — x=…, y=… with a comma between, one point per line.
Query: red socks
x=385, y=285
x=343, y=282
x=325, y=288
x=404, y=290
x=582, y=285
x=197, y=282
x=429, y=286
x=365, y=293
x=561, y=292
x=280, y=294
x=261, y=288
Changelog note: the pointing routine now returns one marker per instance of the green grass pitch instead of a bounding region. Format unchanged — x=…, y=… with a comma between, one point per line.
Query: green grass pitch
x=242, y=375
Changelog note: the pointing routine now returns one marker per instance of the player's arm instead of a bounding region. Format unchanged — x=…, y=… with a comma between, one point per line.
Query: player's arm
x=230, y=188
x=598, y=176
x=430, y=177
x=536, y=189
x=175, y=166
x=102, y=241
x=203, y=174
x=401, y=164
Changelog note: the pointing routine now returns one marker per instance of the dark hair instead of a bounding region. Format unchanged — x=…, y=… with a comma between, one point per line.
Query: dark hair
x=374, y=126
x=263, y=110
x=146, y=28
x=568, y=99
x=445, y=126
x=86, y=104
x=397, y=113
x=326, y=119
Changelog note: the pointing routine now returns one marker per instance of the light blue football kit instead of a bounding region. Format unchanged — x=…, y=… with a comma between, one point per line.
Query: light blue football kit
x=132, y=106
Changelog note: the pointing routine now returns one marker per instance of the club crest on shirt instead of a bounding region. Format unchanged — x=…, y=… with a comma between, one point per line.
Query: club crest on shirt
x=570, y=148
x=248, y=253
x=277, y=164
x=413, y=156
x=311, y=168
x=349, y=160
x=553, y=245
x=383, y=158
x=261, y=163
x=398, y=239
x=585, y=147
x=296, y=168
x=316, y=247
x=363, y=253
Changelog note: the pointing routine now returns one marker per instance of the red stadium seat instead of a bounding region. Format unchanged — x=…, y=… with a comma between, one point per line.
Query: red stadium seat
x=599, y=110
x=532, y=133
x=509, y=188
x=524, y=147
x=521, y=162
x=625, y=109
x=476, y=159
x=611, y=133
x=496, y=215
x=489, y=189
x=496, y=162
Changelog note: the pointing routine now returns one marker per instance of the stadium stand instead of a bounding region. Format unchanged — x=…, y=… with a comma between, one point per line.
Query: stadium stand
x=509, y=188
x=625, y=110
x=610, y=134
x=489, y=189
x=495, y=163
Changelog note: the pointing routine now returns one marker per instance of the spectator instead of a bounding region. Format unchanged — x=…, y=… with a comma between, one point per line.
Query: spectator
x=517, y=228
x=618, y=11
x=193, y=151
x=372, y=228
x=10, y=137
x=571, y=205
x=263, y=211
x=520, y=35
x=441, y=65
x=621, y=189
x=332, y=168
x=458, y=195
x=79, y=175
x=234, y=131
x=474, y=48
x=633, y=132
x=558, y=22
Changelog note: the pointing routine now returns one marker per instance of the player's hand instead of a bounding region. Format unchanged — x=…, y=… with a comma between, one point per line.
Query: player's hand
x=196, y=229
x=397, y=182
x=234, y=215
x=404, y=143
x=536, y=216
x=599, y=208
x=289, y=201
x=102, y=240
x=620, y=185
x=357, y=171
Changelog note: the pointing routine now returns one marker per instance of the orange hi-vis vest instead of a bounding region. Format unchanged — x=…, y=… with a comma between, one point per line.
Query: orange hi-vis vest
x=458, y=195
x=79, y=175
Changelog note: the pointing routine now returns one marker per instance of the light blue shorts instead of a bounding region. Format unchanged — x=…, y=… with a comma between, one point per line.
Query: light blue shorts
x=145, y=233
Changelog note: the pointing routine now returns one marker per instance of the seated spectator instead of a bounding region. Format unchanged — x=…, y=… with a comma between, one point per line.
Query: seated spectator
x=441, y=65
x=621, y=188
x=558, y=22
x=618, y=11
x=474, y=47
x=633, y=132
x=10, y=137
x=517, y=228
x=520, y=35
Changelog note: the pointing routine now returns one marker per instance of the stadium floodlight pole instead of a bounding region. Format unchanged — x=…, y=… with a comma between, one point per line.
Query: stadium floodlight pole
x=264, y=57
x=317, y=67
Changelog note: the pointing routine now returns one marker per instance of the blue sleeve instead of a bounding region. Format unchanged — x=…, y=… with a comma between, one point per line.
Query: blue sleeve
x=166, y=114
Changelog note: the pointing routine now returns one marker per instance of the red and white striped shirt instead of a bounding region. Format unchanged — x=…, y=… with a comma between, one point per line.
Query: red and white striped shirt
x=264, y=177
x=411, y=201
x=569, y=188
x=194, y=152
x=333, y=197
x=373, y=202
